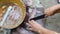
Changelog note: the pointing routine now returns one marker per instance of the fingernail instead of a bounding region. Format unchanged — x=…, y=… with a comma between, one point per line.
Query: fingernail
x=32, y=20
x=29, y=21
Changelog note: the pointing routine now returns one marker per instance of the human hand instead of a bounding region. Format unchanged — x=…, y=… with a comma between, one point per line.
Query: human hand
x=35, y=26
x=52, y=10
x=38, y=28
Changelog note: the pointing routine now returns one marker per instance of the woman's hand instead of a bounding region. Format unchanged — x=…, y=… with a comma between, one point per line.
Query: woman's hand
x=38, y=28
x=35, y=26
x=52, y=10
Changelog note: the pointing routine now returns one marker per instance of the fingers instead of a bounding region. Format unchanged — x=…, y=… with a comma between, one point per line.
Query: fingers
x=28, y=24
x=31, y=29
x=32, y=22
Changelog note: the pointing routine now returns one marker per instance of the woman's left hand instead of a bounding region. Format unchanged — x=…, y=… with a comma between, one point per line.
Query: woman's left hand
x=35, y=26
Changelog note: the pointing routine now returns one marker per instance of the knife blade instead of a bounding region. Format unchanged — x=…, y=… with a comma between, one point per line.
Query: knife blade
x=38, y=17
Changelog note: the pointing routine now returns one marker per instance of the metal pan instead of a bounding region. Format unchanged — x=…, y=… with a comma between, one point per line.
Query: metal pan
x=8, y=3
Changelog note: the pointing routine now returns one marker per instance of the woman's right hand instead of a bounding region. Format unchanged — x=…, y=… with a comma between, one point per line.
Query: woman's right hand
x=52, y=10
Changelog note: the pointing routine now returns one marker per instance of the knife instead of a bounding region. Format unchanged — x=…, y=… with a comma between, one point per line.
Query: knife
x=38, y=17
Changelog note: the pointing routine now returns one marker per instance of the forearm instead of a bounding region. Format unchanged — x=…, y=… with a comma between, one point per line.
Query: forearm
x=40, y=29
x=51, y=10
x=46, y=31
x=48, y=12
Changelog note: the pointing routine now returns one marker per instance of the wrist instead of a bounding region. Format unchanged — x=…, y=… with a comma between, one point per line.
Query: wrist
x=41, y=30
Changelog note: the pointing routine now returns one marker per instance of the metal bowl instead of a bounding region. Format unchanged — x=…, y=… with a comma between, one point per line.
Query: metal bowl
x=4, y=4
